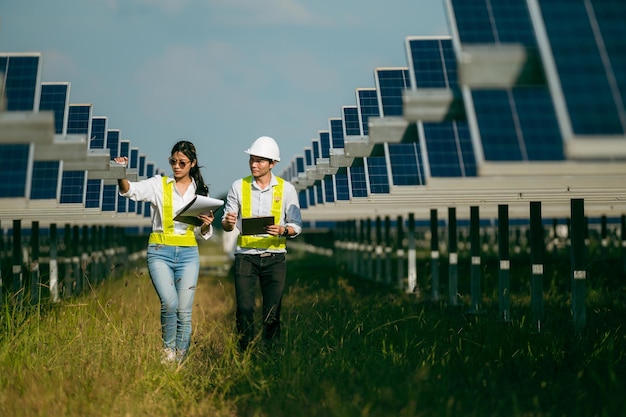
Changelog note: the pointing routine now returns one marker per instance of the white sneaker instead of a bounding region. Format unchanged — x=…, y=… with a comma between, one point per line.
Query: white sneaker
x=168, y=356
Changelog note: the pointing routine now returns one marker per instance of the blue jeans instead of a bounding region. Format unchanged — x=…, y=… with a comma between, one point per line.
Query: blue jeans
x=174, y=273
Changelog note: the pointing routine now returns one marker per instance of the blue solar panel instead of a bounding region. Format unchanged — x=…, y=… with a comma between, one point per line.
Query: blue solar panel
x=433, y=63
x=450, y=151
x=109, y=197
x=98, y=132
x=377, y=174
x=329, y=189
x=311, y=196
x=134, y=158
x=79, y=119
x=113, y=143
x=14, y=162
x=142, y=166
x=342, y=185
x=367, y=103
x=299, y=164
x=358, y=180
x=45, y=180
x=319, y=193
x=22, y=75
x=93, y=195
x=516, y=124
x=391, y=83
x=125, y=148
x=351, y=124
x=73, y=184
x=487, y=21
x=317, y=152
x=150, y=170
x=122, y=205
x=302, y=199
x=308, y=156
x=406, y=165
x=324, y=144
x=588, y=43
x=55, y=97
x=336, y=132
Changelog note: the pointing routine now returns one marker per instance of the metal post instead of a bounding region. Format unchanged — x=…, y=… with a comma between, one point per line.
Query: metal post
x=35, y=281
x=387, y=250
x=434, y=255
x=453, y=258
x=68, y=281
x=54, y=266
x=475, y=254
x=400, y=254
x=537, y=247
x=379, y=250
x=78, y=277
x=504, y=273
x=17, y=260
x=412, y=257
x=369, y=249
x=623, y=236
x=578, y=256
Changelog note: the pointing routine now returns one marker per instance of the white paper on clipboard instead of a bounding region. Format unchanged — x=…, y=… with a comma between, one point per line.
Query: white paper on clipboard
x=199, y=205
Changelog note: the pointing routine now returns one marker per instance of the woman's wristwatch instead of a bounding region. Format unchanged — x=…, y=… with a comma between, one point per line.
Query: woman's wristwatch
x=285, y=232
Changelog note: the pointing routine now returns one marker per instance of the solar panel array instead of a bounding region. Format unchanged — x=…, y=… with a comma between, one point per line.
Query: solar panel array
x=524, y=101
x=57, y=153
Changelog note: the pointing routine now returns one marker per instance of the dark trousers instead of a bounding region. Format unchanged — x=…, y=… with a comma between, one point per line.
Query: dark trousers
x=269, y=271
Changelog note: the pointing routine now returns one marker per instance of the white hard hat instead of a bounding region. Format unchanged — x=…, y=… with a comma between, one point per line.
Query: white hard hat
x=265, y=147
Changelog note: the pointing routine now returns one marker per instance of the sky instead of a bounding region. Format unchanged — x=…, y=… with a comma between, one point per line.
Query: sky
x=219, y=73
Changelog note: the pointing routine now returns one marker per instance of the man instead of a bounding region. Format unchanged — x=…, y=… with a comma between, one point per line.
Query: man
x=261, y=257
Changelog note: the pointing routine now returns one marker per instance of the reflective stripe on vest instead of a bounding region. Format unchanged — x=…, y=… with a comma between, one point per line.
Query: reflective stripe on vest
x=168, y=237
x=259, y=241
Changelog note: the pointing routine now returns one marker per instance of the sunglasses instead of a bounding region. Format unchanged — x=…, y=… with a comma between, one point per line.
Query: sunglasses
x=180, y=163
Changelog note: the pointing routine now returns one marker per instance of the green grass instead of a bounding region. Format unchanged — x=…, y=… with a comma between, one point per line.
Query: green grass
x=349, y=348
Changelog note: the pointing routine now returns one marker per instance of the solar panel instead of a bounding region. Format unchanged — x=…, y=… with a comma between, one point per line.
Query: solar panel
x=336, y=132
x=509, y=124
x=390, y=86
x=377, y=174
x=342, y=186
x=358, y=179
x=79, y=119
x=73, y=187
x=109, y=197
x=405, y=162
x=113, y=142
x=93, y=195
x=45, y=180
x=99, y=126
x=449, y=151
x=22, y=80
x=367, y=104
x=55, y=97
x=14, y=159
x=351, y=121
x=582, y=45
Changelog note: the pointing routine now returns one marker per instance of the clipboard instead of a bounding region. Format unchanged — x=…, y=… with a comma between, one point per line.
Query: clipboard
x=255, y=225
x=199, y=205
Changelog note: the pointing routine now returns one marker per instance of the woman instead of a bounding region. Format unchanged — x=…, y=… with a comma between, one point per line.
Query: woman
x=173, y=259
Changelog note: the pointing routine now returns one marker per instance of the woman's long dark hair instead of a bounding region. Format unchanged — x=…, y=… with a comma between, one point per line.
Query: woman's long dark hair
x=189, y=150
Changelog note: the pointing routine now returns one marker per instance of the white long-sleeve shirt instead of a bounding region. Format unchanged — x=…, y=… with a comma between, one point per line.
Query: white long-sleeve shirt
x=151, y=190
x=262, y=206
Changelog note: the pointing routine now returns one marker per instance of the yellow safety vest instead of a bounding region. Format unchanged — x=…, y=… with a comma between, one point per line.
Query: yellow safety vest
x=168, y=237
x=259, y=241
